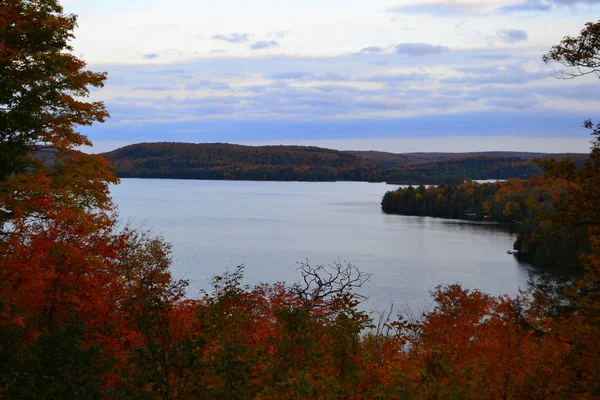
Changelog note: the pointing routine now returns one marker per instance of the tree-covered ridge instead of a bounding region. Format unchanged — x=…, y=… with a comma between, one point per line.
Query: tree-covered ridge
x=420, y=158
x=514, y=200
x=237, y=162
x=529, y=204
x=456, y=170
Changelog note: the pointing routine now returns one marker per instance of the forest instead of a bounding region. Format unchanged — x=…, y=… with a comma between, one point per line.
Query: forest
x=527, y=205
x=89, y=310
x=237, y=162
x=302, y=163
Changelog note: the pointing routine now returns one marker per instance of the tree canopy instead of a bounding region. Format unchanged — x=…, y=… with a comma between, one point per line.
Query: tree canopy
x=43, y=91
x=581, y=54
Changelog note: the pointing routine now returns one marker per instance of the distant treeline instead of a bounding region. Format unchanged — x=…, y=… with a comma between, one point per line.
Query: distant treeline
x=299, y=163
x=459, y=170
x=236, y=162
x=525, y=203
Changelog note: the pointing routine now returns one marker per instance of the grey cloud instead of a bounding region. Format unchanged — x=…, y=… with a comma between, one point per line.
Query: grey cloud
x=155, y=88
x=278, y=35
x=291, y=75
x=492, y=56
x=398, y=78
x=437, y=8
x=210, y=100
x=450, y=91
x=526, y=6
x=175, y=72
x=279, y=101
x=419, y=49
x=371, y=49
x=513, y=35
x=494, y=87
x=257, y=89
x=573, y=2
x=515, y=104
x=264, y=44
x=208, y=85
x=337, y=88
x=512, y=74
x=150, y=56
x=460, y=24
x=233, y=38
x=500, y=92
x=576, y=92
x=332, y=76
x=303, y=75
x=541, y=5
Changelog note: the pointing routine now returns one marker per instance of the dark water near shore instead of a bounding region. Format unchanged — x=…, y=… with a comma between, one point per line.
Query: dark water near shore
x=271, y=226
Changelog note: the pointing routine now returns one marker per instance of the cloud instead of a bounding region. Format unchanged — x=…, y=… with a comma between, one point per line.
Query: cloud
x=491, y=56
x=332, y=76
x=233, y=38
x=513, y=35
x=154, y=88
x=205, y=84
x=512, y=74
x=371, y=50
x=282, y=91
x=437, y=9
x=294, y=75
x=526, y=6
x=542, y=5
x=150, y=56
x=264, y=44
x=398, y=78
x=514, y=104
x=579, y=92
x=502, y=124
x=278, y=35
x=573, y=2
x=419, y=49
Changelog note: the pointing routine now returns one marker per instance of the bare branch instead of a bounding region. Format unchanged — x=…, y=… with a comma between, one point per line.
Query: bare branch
x=322, y=284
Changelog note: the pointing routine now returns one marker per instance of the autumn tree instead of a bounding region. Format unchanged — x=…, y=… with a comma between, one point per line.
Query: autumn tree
x=580, y=54
x=43, y=90
x=579, y=219
x=58, y=244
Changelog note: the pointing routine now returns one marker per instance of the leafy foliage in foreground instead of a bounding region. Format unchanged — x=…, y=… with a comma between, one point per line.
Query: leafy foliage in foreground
x=308, y=340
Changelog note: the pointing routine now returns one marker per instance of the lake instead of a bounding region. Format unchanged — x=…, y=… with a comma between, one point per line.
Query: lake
x=271, y=226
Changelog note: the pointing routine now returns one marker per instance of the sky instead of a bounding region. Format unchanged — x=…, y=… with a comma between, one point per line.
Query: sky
x=389, y=75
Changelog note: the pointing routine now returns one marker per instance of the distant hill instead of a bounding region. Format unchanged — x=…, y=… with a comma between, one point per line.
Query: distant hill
x=415, y=159
x=305, y=163
x=419, y=168
x=237, y=162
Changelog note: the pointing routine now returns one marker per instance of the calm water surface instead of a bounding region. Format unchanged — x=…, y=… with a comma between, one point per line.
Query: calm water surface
x=271, y=226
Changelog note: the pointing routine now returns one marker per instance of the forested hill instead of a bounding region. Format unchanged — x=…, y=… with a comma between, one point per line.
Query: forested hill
x=237, y=162
x=422, y=158
x=438, y=168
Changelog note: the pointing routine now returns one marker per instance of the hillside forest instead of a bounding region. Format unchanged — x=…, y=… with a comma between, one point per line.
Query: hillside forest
x=301, y=163
x=89, y=310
